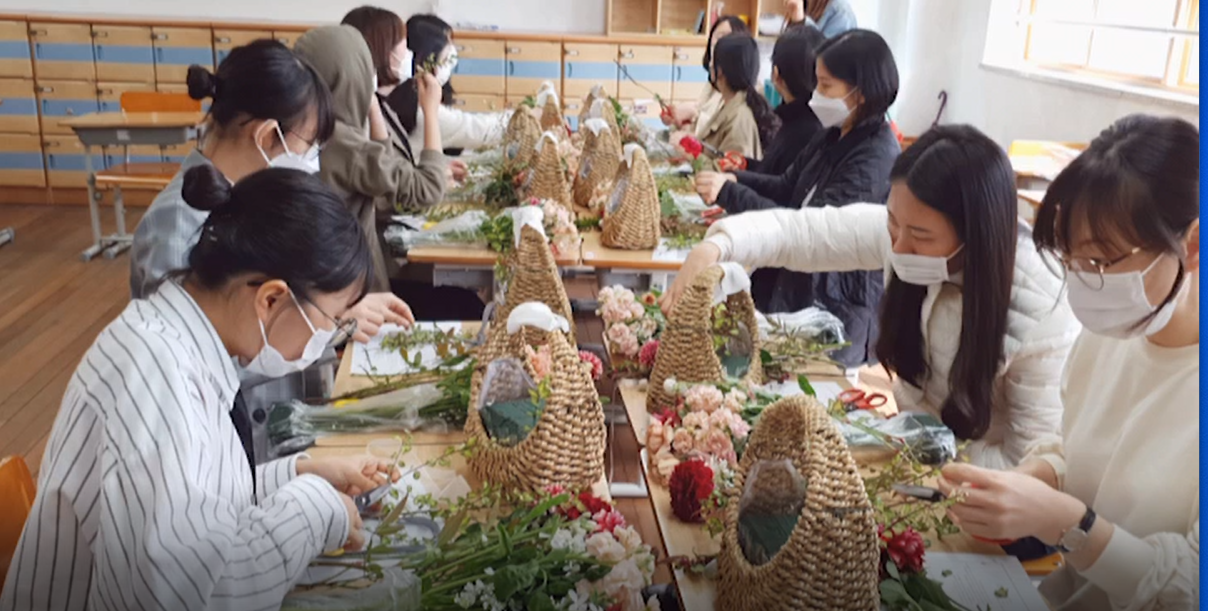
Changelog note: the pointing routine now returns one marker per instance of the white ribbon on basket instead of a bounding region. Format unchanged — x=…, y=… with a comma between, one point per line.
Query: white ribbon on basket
x=734, y=280
x=596, y=125
x=527, y=215
x=597, y=108
x=538, y=315
x=545, y=94
x=630, y=149
x=547, y=135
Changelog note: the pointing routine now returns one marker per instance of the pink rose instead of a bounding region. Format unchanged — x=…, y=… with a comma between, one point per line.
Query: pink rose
x=703, y=398
x=683, y=442
x=696, y=421
x=718, y=442
x=735, y=399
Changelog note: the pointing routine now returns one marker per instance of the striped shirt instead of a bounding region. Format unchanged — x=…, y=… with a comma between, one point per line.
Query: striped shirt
x=165, y=235
x=145, y=494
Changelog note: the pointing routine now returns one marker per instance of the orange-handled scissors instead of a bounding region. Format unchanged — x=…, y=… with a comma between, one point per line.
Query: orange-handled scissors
x=732, y=161
x=854, y=399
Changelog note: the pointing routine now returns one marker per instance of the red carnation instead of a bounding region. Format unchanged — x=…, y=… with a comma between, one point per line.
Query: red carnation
x=668, y=417
x=593, y=505
x=905, y=549
x=597, y=366
x=648, y=353
x=690, y=485
x=692, y=146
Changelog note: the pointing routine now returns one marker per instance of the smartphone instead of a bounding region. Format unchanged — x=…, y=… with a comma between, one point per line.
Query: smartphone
x=931, y=495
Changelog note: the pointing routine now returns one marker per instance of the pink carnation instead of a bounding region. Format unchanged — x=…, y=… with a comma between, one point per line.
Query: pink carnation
x=703, y=398
x=623, y=340
x=648, y=353
x=608, y=521
x=597, y=366
x=683, y=442
x=696, y=421
x=717, y=443
x=541, y=360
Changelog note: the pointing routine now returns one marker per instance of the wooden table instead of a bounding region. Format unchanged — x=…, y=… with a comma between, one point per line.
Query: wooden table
x=598, y=256
x=683, y=539
x=125, y=129
x=471, y=267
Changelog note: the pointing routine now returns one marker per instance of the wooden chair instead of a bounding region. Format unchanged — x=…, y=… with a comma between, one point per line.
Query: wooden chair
x=156, y=101
x=17, y=490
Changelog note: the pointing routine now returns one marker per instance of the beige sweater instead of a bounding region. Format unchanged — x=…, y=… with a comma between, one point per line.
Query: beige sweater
x=1131, y=452
x=1026, y=413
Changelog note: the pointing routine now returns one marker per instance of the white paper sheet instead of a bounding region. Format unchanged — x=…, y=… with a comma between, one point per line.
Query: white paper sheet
x=825, y=391
x=371, y=359
x=665, y=253
x=975, y=581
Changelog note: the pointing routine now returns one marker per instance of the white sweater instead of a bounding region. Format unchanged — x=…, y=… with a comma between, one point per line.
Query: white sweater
x=462, y=130
x=1040, y=326
x=1131, y=452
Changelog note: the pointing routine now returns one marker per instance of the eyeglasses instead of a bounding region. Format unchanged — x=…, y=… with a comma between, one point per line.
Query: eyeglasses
x=344, y=329
x=1090, y=270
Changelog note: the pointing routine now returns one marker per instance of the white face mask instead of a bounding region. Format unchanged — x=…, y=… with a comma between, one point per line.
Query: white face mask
x=921, y=269
x=444, y=72
x=270, y=363
x=1115, y=309
x=830, y=111
x=308, y=162
x=404, y=63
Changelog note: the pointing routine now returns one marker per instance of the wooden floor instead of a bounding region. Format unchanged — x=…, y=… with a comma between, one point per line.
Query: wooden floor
x=52, y=306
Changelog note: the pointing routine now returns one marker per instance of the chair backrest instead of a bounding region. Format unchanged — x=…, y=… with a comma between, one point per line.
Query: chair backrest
x=156, y=101
x=17, y=490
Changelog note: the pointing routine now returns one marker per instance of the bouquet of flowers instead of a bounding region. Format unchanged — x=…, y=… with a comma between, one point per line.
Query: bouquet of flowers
x=706, y=424
x=631, y=327
x=559, y=224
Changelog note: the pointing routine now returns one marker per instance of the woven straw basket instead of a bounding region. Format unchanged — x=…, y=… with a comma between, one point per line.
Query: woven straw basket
x=601, y=157
x=686, y=346
x=522, y=133
x=635, y=223
x=548, y=179
x=596, y=93
x=534, y=277
x=566, y=447
x=830, y=562
x=551, y=117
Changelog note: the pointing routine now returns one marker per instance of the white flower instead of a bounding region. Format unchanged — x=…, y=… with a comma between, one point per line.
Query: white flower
x=562, y=539
x=605, y=548
x=467, y=597
x=579, y=601
x=653, y=604
x=489, y=571
x=669, y=386
x=623, y=578
x=572, y=568
x=629, y=538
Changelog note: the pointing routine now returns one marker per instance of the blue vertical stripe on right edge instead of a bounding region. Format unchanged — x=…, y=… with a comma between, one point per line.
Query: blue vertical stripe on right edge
x=20, y=161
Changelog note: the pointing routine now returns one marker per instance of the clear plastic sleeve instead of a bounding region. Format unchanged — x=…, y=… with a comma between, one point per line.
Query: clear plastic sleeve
x=812, y=322
x=398, y=590
x=926, y=436
x=771, y=503
x=401, y=410
x=458, y=231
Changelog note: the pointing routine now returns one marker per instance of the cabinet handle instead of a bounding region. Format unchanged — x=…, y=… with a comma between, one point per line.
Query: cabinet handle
x=159, y=37
x=284, y=41
x=100, y=34
x=48, y=144
x=222, y=40
x=461, y=102
x=679, y=74
x=511, y=68
x=104, y=92
x=681, y=56
x=627, y=55
x=38, y=33
x=572, y=107
x=570, y=70
x=461, y=48
x=45, y=89
x=514, y=50
x=572, y=53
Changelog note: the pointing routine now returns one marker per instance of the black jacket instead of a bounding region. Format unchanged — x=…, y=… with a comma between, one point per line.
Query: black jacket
x=798, y=125
x=839, y=171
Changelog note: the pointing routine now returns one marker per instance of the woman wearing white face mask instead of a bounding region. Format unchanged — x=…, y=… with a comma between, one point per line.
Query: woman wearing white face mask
x=972, y=323
x=1121, y=492
x=847, y=162
x=268, y=109
x=429, y=39
x=148, y=498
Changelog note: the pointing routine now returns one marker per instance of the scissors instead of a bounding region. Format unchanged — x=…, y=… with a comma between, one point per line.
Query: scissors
x=732, y=161
x=855, y=399
x=365, y=502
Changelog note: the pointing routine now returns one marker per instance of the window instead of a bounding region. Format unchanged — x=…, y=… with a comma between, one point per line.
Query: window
x=1151, y=43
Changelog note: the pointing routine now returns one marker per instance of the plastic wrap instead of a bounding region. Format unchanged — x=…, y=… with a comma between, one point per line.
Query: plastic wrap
x=458, y=231
x=927, y=437
x=506, y=402
x=391, y=412
x=398, y=590
x=812, y=322
x=769, y=508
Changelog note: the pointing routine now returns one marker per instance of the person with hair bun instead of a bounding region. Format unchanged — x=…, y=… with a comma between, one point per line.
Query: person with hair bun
x=745, y=122
x=268, y=109
x=973, y=323
x=696, y=117
x=147, y=496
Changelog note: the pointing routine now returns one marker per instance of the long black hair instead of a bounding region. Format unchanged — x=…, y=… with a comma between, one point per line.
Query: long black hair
x=794, y=58
x=1137, y=184
x=863, y=60
x=427, y=37
x=737, y=26
x=963, y=174
x=383, y=30
x=282, y=223
x=264, y=80
x=737, y=59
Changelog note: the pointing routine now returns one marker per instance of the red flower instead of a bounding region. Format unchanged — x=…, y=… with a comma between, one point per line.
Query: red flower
x=608, y=521
x=905, y=549
x=648, y=353
x=669, y=417
x=592, y=504
x=650, y=299
x=690, y=485
x=692, y=146
x=597, y=366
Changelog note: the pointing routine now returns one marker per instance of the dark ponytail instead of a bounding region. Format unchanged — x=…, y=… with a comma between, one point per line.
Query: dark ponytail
x=737, y=26
x=264, y=80
x=282, y=223
x=962, y=174
x=737, y=58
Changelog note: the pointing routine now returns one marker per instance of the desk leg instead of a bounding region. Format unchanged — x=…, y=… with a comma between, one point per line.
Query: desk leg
x=94, y=210
x=121, y=240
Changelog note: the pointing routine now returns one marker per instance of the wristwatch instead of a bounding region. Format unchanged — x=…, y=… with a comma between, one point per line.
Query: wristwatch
x=1074, y=539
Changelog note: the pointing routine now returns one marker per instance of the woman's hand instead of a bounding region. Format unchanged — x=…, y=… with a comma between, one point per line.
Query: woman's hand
x=702, y=257
x=351, y=475
x=376, y=309
x=1007, y=505
x=677, y=115
x=356, y=535
x=458, y=170
x=429, y=91
x=709, y=184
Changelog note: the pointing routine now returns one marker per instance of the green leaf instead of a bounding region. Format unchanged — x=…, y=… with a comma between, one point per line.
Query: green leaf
x=894, y=594
x=804, y=383
x=545, y=506
x=394, y=514
x=1001, y=592
x=515, y=578
x=540, y=601
x=452, y=525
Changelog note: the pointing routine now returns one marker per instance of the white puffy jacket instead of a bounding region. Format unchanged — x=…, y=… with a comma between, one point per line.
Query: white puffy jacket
x=1041, y=328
